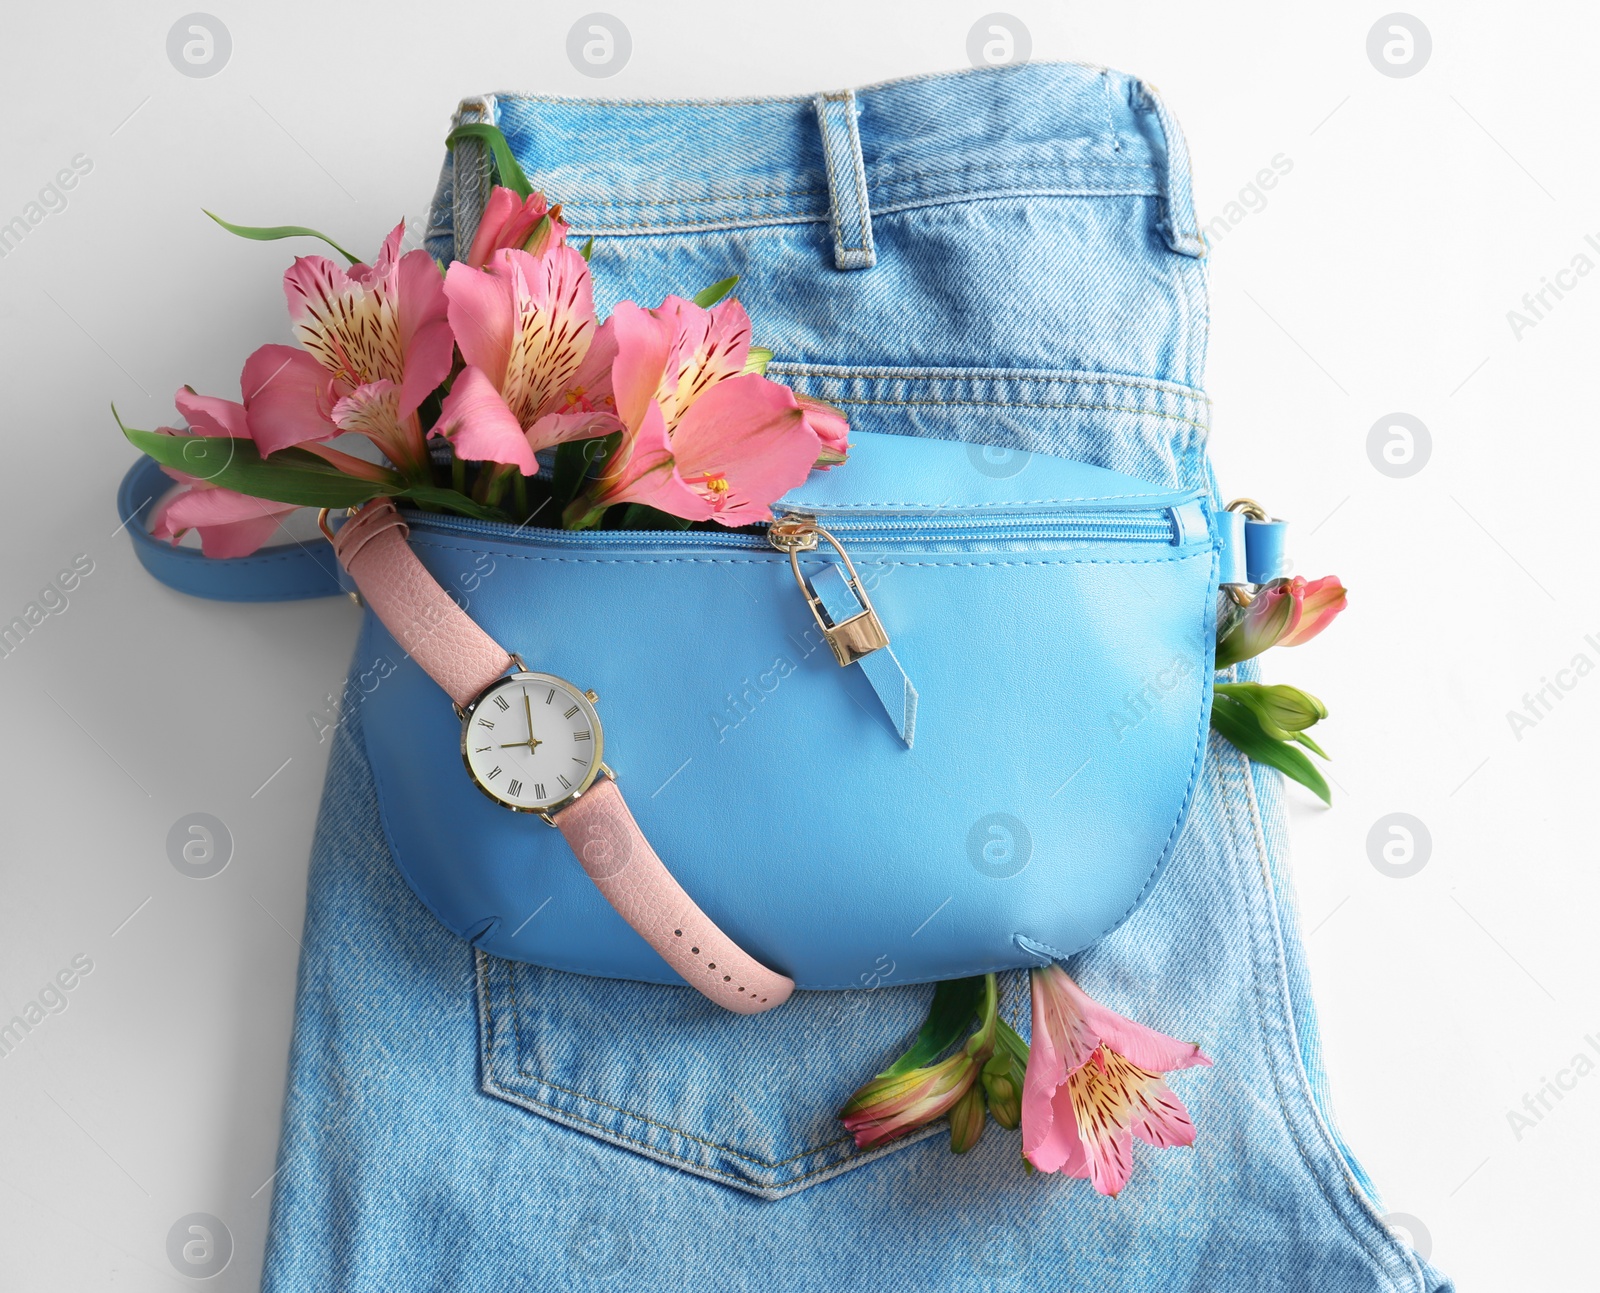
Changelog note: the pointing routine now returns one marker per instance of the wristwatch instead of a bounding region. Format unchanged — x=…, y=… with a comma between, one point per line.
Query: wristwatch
x=533, y=743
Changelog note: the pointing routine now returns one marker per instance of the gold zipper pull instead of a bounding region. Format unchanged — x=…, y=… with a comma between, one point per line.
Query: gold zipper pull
x=857, y=635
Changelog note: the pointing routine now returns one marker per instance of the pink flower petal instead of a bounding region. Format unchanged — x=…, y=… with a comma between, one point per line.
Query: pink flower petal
x=553, y=328
x=708, y=347
x=590, y=387
x=1320, y=601
x=477, y=422
x=1158, y=1117
x=1050, y=1139
x=642, y=471
x=832, y=429
x=288, y=398
x=743, y=444
x=496, y=211
x=230, y=524
x=424, y=329
x=509, y=222
x=1100, y=1103
x=558, y=428
x=482, y=315
x=642, y=343
x=1143, y=1046
x=358, y=325
x=209, y=416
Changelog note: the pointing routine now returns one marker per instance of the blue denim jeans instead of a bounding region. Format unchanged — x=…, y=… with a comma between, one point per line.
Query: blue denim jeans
x=1008, y=258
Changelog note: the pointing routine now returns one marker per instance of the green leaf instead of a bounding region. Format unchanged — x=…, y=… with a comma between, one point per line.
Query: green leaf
x=639, y=516
x=758, y=360
x=573, y=461
x=1305, y=739
x=710, y=296
x=508, y=171
x=587, y=250
x=955, y=1003
x=1008, y=1039
x=271, y=233
x=289, y=476
x=1237, y=724
x=449, y=500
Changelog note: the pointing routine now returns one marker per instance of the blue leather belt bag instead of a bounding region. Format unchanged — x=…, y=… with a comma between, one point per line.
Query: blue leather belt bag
x=1056, y=626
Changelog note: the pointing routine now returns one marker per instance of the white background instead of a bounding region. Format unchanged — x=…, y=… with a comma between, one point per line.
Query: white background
x=1377, y=279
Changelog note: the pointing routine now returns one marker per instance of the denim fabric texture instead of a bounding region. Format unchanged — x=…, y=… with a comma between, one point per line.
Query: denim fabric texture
x=1020, y=272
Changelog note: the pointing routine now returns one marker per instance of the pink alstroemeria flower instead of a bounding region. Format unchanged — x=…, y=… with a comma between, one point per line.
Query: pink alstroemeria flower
x=377, y=343
x=1316, y=603
x=1093, y=1083
x=230, y=524
x=887, y=1108
x=832, y=428
x=525, y=224
x=703, y=439
x=1285, y=612
x=538, y=368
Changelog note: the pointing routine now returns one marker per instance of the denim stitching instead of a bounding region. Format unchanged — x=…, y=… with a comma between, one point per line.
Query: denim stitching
x=575, y=198
x=524, y=1071
x=859, y=174
x=845, y=372
x=1237, y=769
x=900, y=178
x=493, y=1083
x=527, y=1072
x=694, y=1165
x=1006, y=404
x=760, y=220
x=1105, y=102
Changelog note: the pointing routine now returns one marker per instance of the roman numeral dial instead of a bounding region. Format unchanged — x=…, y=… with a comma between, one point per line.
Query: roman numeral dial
x=532, y=742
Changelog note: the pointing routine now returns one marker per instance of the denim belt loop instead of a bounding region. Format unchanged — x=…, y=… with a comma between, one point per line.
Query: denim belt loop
x=847, y=181
x=471, y=175
x=1178, y=223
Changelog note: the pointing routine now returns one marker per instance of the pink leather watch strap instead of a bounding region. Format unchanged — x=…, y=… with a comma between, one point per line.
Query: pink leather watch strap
x=610, y=846
x=464, y=660
x=428, y=625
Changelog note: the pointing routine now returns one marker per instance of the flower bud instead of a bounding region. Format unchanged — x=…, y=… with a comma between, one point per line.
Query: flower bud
x=966, y=1120
x=1002, y=1085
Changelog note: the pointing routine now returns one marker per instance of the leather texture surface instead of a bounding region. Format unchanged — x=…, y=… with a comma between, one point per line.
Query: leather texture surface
x=435, y=632
x=1064, y=699
x=613, y=851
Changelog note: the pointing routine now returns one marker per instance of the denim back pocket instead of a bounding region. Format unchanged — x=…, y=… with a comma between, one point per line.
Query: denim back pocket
x=747, y=1101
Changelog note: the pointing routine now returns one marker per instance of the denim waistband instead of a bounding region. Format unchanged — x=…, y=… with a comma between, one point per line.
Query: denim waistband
x=1027, y=235
x=664, y=166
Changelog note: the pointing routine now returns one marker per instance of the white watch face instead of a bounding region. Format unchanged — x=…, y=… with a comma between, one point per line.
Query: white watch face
x=532, y=741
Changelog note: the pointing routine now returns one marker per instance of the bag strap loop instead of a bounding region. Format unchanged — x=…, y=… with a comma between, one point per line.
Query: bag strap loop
x=287, y=572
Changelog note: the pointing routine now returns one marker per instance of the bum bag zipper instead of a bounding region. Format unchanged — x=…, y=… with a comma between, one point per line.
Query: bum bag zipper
x=834, y=593
x=1143, y=525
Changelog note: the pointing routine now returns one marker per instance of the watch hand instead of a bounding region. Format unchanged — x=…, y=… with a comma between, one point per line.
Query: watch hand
x=527, y=706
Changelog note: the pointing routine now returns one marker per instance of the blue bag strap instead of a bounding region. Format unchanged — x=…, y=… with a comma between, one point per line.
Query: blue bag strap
x=284, y=573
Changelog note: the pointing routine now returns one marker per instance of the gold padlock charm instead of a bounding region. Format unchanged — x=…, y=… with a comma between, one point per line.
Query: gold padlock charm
x=851, y=639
